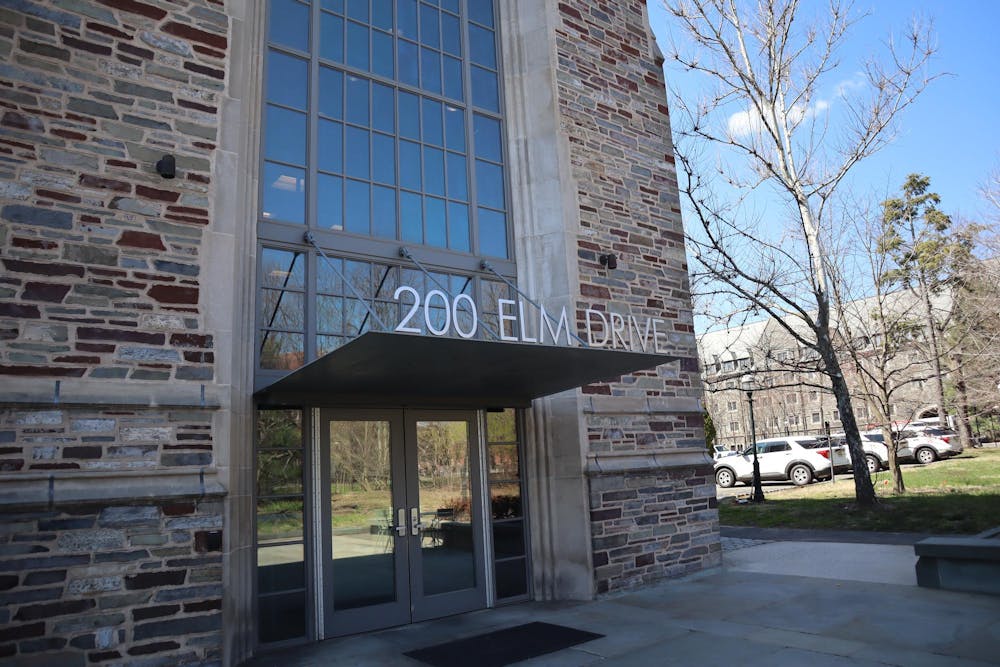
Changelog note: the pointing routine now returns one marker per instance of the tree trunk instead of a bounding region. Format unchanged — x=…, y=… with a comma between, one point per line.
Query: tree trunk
x=961, y=404
x=898, y=486
x=864, y=492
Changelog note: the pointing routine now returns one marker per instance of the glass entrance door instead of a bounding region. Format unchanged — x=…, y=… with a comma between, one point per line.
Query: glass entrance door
x=402, y=521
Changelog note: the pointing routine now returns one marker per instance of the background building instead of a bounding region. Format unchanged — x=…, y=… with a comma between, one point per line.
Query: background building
x=200, y=456
x=792, y=396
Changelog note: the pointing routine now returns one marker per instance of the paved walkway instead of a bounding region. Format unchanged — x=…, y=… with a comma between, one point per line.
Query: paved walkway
x=773, y=603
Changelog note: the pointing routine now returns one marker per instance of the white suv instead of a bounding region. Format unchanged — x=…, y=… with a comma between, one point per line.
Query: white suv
x=922, y=446
x=799, y=459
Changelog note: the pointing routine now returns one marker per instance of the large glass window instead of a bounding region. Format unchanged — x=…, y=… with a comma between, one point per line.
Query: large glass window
x=382, y=126
x=336, y=159
x=507, y=508
x=281, y=571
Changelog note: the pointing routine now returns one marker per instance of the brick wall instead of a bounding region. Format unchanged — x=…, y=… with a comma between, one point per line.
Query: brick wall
x=649, y=518
x=112, y=584
x=111, y=518
x=100, y=255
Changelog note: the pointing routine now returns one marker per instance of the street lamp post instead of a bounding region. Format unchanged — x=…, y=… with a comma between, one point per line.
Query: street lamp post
x=758, y=491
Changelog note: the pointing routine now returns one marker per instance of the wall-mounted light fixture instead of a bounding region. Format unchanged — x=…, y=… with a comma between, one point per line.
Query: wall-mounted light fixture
x=609, y=260
x=166, y=166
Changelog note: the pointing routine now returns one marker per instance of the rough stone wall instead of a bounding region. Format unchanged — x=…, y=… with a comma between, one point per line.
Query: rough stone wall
x=100, y=254
x=649, y=518
x=120, y=584
x=111, y=516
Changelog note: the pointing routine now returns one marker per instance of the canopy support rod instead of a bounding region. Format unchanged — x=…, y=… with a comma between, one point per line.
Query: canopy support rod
x=489, y=267
x=405, y=252
x=312, y=241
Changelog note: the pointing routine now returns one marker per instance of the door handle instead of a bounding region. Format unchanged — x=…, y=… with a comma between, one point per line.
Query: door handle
x=400, y=526
x=415, y=525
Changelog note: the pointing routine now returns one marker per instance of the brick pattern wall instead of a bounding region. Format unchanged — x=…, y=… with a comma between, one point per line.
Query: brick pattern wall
x=651, y=526
x=612, y=107
x=101, y=282
x=107, y=440
x=133, y=584
x=100, y=255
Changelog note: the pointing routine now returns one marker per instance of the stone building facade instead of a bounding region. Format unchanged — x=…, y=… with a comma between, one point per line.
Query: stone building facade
x=140, y=517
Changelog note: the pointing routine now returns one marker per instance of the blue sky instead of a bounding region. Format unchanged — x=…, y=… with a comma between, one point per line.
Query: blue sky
x=951, y=133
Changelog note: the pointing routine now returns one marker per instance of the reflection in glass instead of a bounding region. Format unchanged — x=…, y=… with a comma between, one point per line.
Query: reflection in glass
x=383, y=108
x=433, y=171
x=281, y=351
x=283, y=269
x=357, y=45
x=492, y=233
x=407, y=63
x=329, y=314
x=433, y=130
x=357, y=100
x=279, y=472
x=481, y=11
x=430, y=70
x=482, y=49
x=286, y=79
x=286, y=135
x=279, y=519
x=331, y=202
x=454, y=119
x=508, y=538
x=358, y=10
x=489, y=184
x=447, y=549
x=458, y=226
x=331, y=146
x=289, y=24
x=406, y=14
x=282, y=309
x=358, y=161
x=280, y=568
x=284, y=193
x=409, y=165
x=357, y=211
x=501, y=426
x=451, y=36
x=361, y=514
x=457, y=185
x=331, y=92
x=383, y=62
x=331, y=42
x=484, y=89
x=382, y=14
x=453, y=85
x=436, y=230
x=430, y=34
x=411, y=218
x=384, y=212
x=487, y=138
x=384, y=159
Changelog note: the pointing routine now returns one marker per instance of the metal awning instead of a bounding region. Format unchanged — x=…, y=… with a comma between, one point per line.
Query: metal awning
x=405, y=369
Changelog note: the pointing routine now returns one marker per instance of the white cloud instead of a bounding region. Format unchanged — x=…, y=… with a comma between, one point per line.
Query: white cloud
x=747, y=123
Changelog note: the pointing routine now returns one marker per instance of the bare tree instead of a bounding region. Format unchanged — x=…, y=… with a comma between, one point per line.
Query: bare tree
x=788, y=143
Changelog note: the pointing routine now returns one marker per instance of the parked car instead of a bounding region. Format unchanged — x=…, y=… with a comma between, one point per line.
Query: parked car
x=719, y=451
x=876, y=453
x=799, y=459
x=924, y=447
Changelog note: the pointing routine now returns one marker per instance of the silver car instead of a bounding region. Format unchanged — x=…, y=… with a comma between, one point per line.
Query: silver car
x=798, y=459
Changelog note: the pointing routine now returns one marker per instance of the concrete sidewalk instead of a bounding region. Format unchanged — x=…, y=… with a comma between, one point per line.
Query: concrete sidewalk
x=772, y=603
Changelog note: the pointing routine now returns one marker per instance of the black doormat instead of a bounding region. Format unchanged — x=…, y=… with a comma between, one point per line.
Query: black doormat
x=503, y=647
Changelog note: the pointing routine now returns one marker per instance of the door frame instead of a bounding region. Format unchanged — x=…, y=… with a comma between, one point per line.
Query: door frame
x=425, y=607
x=410, y=605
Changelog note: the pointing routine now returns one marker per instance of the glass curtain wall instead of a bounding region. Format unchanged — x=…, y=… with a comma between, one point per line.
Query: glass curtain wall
x=281, y=573
x=507, y=506
x=382, y=127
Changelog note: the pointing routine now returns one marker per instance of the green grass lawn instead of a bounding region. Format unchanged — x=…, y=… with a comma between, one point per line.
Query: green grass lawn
x=960, y=495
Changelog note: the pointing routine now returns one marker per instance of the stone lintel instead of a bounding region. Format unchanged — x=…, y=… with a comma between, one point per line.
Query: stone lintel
x=36, y=392
x=612, y=463
x=630, y=405
x=59, y=488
